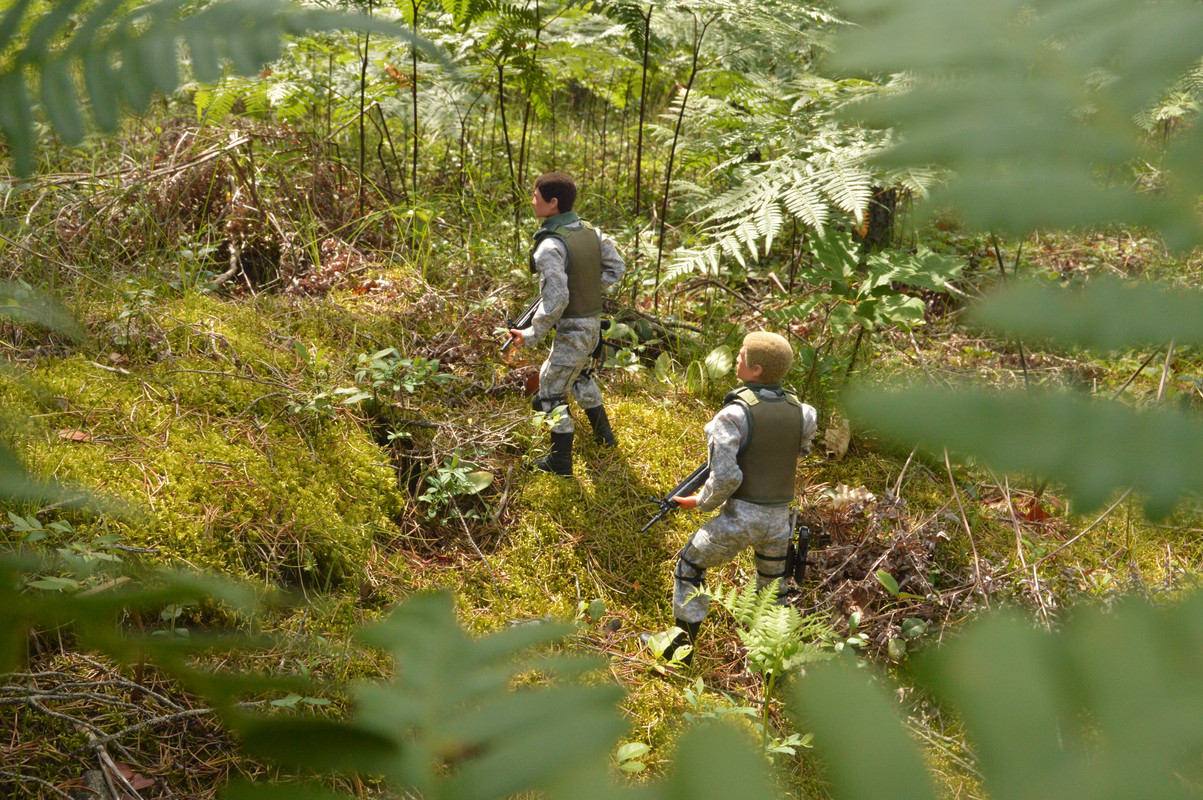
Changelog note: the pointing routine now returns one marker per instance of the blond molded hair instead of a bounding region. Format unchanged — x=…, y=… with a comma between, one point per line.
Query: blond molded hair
x=769, y=351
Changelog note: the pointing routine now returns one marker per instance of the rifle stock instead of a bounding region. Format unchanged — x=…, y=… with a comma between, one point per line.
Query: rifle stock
x=689, y=486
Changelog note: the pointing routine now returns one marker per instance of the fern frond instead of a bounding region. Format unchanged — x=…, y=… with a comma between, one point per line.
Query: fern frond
x=805, y=201
x=773, y=635
x=848, y=186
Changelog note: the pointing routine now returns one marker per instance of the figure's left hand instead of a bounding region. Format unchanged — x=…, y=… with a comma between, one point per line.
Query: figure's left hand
x=688, y=503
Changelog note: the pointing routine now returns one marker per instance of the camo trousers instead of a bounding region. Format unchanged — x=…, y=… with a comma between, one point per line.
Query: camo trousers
x=739, y=525
x=567, y=369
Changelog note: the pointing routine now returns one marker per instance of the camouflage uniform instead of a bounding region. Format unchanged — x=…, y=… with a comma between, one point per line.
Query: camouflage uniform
x=576, y=337
x=739, y=523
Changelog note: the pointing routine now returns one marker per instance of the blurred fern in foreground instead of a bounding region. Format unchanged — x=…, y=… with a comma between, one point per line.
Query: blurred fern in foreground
x=125, y=56
x=1035, y=106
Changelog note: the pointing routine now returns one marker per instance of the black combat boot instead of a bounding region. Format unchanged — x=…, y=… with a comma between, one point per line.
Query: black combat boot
x=688, y=635
x=559, y=460
x=602, y=434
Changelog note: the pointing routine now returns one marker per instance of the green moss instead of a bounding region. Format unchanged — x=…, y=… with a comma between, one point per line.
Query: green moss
x=208, y=489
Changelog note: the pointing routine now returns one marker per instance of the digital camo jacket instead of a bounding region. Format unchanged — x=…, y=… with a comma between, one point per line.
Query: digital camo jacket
x=739, y=524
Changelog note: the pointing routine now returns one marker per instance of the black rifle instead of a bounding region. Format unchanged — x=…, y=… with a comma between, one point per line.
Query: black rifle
x=795, y=554
x=523, y=321
x=685, y=488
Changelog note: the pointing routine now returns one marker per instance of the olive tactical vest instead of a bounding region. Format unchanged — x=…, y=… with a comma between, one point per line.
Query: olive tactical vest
x=583, y=267
x=769, y=457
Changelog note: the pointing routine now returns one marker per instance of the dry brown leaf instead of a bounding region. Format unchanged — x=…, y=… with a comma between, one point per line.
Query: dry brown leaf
x=75, y=435
x=1034, y=511
x=836, y=438
x=134, y=780
x=844, y=496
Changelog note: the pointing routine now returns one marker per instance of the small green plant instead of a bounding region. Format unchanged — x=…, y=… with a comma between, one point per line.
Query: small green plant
x=628, y=756
x=385, y=373
x=378, y=376
x=83, y=564
x=703, y=712
x=194, y=262
x=322, y=405
x=136, y=311
x=701, y=375
x=777, y=638
x=659, y=642
x=32, y=530
x=863, y=295
x=292, y=700
x=591, y=611
x=856, y=639
x=455, y=478
x=171, y=614
x=317, y=364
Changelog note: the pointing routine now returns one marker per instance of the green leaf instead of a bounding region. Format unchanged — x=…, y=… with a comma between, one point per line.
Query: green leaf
x=719, y=362
x=887, y=580
x=158, y=52
x=135, y=82
x=305, y=742
x=663, y=367
x=597, y=609
x=452, y=695
x=718, y=762
x=98, y=80
x=1008, y=98
x=206, y=62
x=924, y=269
x=478, y=481
x=50, y=24
x=859, y=735
x=11, y=22
x=913, y=626
x=54, y=584
x=356, y=396
x=16, y=120
x=1055, y=435
x=287, y=702
x=1106, y=314
x=59, y=100
x=631, y=750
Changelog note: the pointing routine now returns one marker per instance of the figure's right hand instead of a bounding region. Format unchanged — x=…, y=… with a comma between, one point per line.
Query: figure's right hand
x=517, y=337
x=688, y=503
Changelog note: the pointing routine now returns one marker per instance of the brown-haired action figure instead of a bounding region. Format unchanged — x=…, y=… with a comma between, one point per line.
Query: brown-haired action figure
x=575, y=262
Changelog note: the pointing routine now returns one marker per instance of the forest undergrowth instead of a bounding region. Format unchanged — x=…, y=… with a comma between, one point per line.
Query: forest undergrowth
x=333, y=423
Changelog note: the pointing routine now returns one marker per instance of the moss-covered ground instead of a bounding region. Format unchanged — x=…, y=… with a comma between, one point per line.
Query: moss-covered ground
x=217, y=429
x=345, y=433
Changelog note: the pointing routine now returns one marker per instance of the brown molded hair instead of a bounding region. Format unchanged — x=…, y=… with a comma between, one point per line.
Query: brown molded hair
x=557, y=186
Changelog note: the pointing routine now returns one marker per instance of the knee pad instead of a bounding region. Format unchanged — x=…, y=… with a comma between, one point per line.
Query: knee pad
x=782, y=560
x=548, y=404
x=682, y=559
